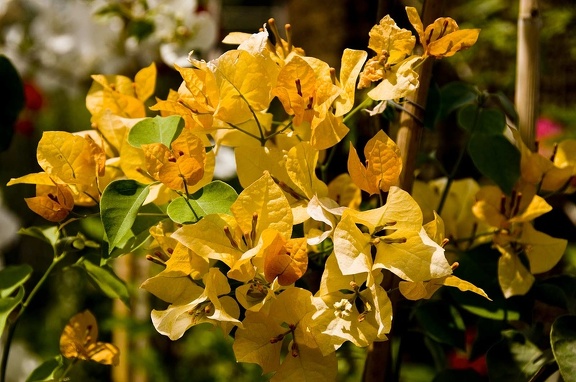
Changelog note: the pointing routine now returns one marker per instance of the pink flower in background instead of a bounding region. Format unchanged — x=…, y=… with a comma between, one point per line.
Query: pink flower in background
x=547, y=132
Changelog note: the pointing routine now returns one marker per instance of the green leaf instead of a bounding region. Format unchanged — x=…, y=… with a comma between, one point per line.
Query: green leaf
x=11, y=101
x=12, y=277
x=506, y=105
x=107, y=281
x=50, y=234
x=433, y=105
x=184, y=211
x=49, y=370
x=563, y=342
x=455, y=95
x=496, y=158
x=478, y=120
x=490, y=121
x=156, y=130
x=119, y=206
x=467, y=116
x=7, y=305
x=216, y=197
x=442, y=323
x=514, y=358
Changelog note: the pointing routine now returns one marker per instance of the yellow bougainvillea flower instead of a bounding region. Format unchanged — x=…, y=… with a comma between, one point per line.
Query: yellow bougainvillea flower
x=546, y=174
x=460, y=223
x=286, y=323
x=502, y=211
x=392, y=63
x=79, y=341
x=351, y=308
x=306, y=91
x=236, y=239
x=120, y=95
x=301, y=162
x=514, y=235
x=565, y=158
x=325, y=214
x=285, y=260
x=401, y=243
x=383, y=164
x=195, y=305
x=180, y=166
x=442, y=38
x=196, y=99
x=53, y=203
x=68, y=159
x=426, y=289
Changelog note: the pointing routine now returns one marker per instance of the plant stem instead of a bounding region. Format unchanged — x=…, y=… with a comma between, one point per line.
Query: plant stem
x=13, y=324
x=364, y=104
x=457, y=164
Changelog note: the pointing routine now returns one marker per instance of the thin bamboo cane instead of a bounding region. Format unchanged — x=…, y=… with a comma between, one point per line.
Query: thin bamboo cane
x=527, y=70
x=379, y=363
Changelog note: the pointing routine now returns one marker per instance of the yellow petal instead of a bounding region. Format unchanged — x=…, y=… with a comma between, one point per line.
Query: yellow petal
x=79, y=341
x=543, y=251
x=453, y=42
x=263, y=205
x=513, y=277
x=145, y=82
x=301, y=167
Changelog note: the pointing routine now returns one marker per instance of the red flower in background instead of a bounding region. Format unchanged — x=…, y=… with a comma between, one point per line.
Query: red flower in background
x=34, y=102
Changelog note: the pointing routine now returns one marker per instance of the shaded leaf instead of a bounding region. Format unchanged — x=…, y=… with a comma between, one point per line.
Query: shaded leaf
x=7, y=305
x=563, y=342
x=49, y=234
x=496, y=158
x=49, y=370
x=12, y=277
x=110, y=284
x=442, y=323
x=514, y=358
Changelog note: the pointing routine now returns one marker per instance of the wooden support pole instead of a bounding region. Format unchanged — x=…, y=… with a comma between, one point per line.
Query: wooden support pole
x=527, y=70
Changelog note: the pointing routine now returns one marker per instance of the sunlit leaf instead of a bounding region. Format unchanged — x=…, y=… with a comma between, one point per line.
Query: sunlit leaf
x=156, y=130
x=119, y=207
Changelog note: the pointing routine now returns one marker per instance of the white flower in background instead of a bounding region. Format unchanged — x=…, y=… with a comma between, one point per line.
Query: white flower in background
x=60, y=43
x=180, y=28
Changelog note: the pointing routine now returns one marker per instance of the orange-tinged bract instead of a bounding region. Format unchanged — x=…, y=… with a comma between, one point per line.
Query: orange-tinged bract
x=79, y=341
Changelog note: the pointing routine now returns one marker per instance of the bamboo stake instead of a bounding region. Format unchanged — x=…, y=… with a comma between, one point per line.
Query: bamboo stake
x=379, y=364
x=527, y=70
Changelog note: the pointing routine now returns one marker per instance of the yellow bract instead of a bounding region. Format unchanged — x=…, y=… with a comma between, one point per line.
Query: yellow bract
x=79, y=341
x=383, y=165
x=442, y=38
